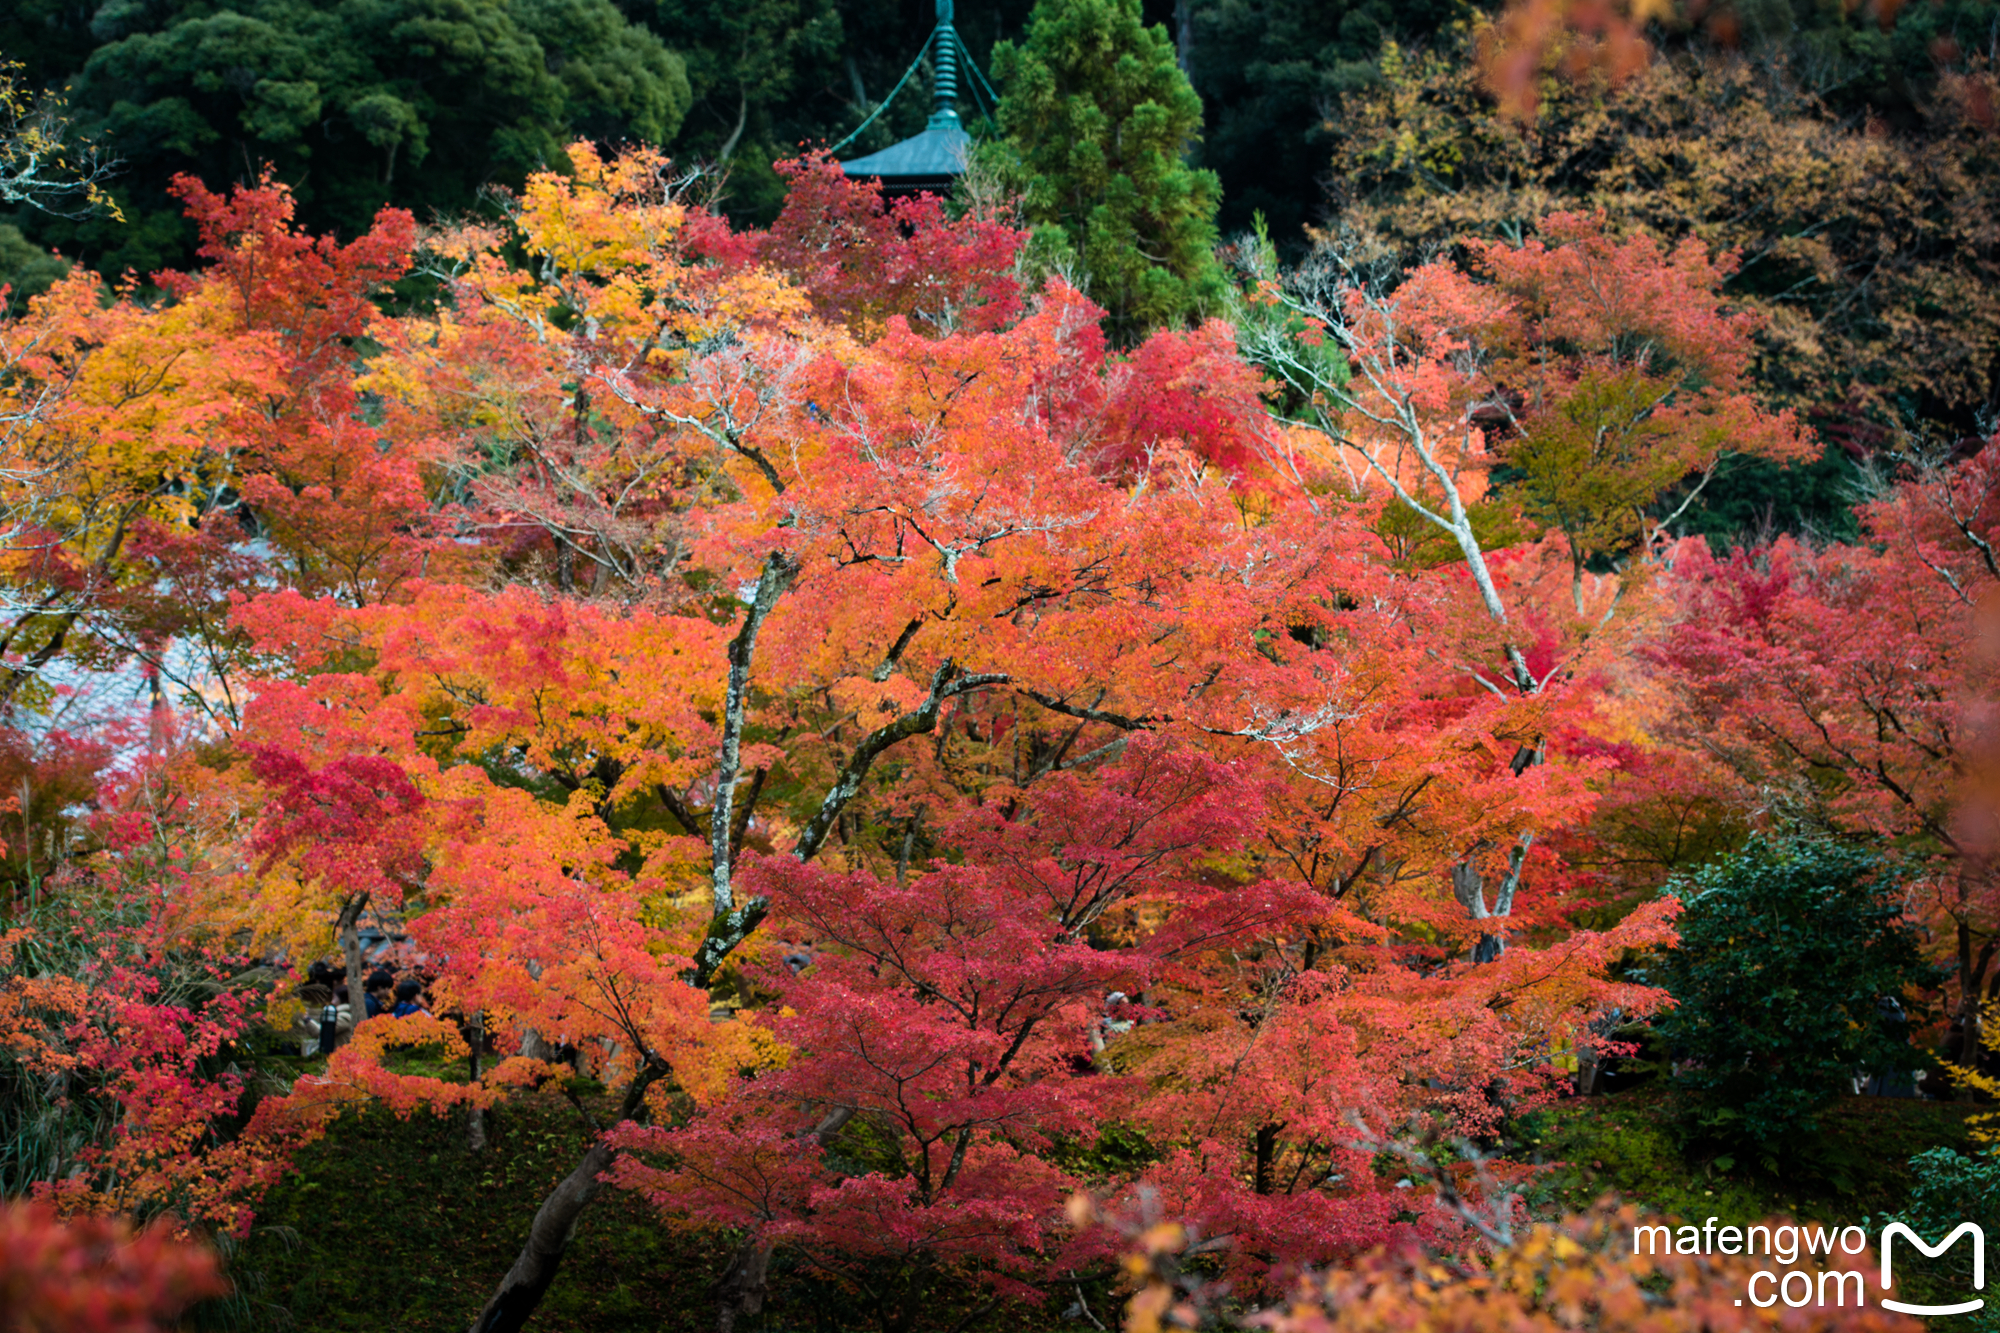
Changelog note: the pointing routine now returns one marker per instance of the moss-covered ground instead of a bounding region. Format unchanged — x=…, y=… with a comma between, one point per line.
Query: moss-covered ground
x=394, y=1226
x=1632, y=1144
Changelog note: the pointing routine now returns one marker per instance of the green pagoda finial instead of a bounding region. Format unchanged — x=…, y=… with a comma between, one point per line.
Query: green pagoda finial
x=946, y=111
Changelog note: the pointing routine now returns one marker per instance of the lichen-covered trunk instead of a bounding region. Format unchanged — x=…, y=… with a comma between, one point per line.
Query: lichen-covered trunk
x=739, y=1297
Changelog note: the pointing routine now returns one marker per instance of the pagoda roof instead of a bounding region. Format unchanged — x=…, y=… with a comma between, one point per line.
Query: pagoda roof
x=930, y=160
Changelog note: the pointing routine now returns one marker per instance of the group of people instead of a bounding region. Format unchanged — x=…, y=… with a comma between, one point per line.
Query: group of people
x=383, y=995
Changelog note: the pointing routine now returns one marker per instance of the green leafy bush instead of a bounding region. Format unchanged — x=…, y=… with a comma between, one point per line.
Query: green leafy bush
x=1789, y=958
x=1948, y=1187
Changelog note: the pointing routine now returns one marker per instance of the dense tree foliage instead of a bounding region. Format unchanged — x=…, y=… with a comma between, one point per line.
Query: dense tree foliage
x=471, y=657
x=1954, y=1185
x=766, y=78
x=417, y=102
x=1849, y=684
x=1268, y=74
x=95, y=1275
x=422, y=105
x=1279, y=81
x=1865, y=251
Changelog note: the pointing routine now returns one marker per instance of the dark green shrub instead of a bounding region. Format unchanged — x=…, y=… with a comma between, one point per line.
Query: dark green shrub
x=1948, y=1187
x=1792, y=962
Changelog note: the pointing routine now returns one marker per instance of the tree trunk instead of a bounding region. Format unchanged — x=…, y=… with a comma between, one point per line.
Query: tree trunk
x=548, y=1237
x=350, y=954
x=736, y=135
x=776, y=577
x=1267, y=1157
x=1468, y=886
x=1971, y=1048
x=475, y=1119
x=854, y=82
x=740, y=1294
x=555, y=1221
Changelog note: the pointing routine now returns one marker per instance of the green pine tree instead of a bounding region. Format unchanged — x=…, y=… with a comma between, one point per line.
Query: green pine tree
x=1097, y=117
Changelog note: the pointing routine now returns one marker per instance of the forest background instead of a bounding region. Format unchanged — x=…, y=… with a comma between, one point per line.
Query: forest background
x=1153, y=735
x=1839, y=149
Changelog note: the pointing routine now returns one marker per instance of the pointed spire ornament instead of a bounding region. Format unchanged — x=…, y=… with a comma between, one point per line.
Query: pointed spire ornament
x=935, y=158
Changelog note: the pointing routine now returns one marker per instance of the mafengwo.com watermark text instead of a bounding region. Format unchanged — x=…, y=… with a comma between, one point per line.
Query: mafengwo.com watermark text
x=1797, y=1287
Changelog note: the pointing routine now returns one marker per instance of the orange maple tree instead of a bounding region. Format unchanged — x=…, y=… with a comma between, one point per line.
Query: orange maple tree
x=885, y=736
x=796, y=614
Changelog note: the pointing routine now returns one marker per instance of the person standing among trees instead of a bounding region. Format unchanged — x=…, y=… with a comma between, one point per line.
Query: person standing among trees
x=409, y=998
x=380, y=993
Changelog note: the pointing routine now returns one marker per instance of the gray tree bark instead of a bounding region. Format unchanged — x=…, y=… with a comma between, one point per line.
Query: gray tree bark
x=548, y=1239
x=555, y=1222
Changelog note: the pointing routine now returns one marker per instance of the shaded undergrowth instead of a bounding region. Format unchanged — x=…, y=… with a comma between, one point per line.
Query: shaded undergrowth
x=1634, y=1144
x=394, y=1226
